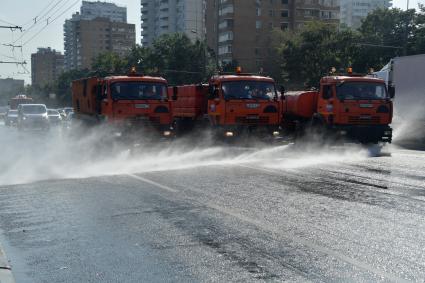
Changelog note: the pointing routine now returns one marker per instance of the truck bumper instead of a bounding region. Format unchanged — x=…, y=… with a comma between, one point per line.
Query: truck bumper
x=240, y=131
x=365, y=134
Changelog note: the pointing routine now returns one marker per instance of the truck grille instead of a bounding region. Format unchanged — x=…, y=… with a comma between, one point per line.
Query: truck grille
x=144, y=121
x=252, y=120
x=364, y=119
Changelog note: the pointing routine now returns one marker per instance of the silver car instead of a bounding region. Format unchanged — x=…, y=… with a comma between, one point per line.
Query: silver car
x=11, y=118
x=33, y=116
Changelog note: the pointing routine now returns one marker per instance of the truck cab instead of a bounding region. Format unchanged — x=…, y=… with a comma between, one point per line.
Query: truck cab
x=357, y=106
x=244, y=103
x=128, y=102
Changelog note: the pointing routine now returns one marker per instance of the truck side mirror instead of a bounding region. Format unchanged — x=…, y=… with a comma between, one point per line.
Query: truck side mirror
x=213, y=92
x=99, y=92
x=326, y=92
x=175, y=92
x=282, y=89
x=391, y=91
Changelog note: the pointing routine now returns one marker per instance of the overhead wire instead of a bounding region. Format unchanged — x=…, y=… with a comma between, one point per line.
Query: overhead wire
x=52, y=21
x=8, y=23
x=40, y=20
x=38, y=15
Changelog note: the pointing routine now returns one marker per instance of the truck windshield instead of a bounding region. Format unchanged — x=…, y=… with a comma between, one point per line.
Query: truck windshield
x=138, y=90
x=34, y=109
x=249, y=90
x=361, y=90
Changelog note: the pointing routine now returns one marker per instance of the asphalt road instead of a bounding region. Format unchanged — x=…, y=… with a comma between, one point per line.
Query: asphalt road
x=211, y=215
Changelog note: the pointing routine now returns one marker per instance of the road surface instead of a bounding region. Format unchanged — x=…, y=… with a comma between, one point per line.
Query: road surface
x=211, y=214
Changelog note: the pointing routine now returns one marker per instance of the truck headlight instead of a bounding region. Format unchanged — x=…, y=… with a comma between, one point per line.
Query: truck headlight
x=229, y=134
x=276, y=133
x=167, y=133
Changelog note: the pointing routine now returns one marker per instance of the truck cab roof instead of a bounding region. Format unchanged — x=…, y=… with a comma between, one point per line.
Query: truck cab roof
x=137, y=78
x=338, y=79
x=243, y=77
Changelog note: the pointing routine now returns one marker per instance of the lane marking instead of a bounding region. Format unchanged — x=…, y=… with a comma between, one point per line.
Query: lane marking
x=294, y=238
x=153, y=183
x=310, y=244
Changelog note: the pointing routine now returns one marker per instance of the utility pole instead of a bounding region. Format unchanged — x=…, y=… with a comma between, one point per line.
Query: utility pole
x=406, y=32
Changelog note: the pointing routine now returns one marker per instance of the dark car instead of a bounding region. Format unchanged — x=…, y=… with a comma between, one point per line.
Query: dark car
x=33, y=116
x=11, y=118
x=54, y=117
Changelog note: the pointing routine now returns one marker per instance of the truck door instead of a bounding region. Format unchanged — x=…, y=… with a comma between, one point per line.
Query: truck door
x=326, y=101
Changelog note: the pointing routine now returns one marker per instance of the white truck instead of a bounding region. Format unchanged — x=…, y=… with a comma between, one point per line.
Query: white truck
x=407, y=75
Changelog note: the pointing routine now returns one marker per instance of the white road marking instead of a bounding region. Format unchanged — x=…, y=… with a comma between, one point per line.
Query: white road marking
x=153, y=183
x=259, y=224
x=359, y=264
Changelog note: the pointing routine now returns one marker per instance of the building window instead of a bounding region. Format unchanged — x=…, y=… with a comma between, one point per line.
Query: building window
x=258, y=24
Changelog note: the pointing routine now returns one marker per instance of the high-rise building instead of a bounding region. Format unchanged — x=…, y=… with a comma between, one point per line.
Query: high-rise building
x=239, y=30
x=46, y=66
x=172, y=16
x=92, y=10
x=354, y=11
x=99, y=27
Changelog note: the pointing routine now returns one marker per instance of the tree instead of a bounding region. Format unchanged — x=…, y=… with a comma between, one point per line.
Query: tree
x=180, y=60
x=308, y=55
x=385, y=34
x=109, y=63
x=62, y=87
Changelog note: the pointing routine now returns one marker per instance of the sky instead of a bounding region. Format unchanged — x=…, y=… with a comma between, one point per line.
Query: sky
x=41, y=34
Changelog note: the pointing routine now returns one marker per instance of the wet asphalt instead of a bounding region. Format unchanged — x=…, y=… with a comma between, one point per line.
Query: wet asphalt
x=352, y=220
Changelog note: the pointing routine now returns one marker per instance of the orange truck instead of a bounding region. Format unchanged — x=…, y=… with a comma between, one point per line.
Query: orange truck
x=232, y=105
x=129, y=103
x=19, y=99
x=357, y=108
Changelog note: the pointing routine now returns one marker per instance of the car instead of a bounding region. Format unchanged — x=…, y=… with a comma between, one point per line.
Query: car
x=54, y=117
x=62, y=112
x=68, y=110
x=3, y=112
x=32, y=116
x=11, y=118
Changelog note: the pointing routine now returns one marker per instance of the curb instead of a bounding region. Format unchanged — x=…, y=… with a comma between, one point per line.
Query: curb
x=6, y=275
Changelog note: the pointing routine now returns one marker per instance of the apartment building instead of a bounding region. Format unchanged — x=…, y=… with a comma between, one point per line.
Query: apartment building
x=160, y=17
x=46, y=66
x=240, y=29
x=99, y=27
x=354, y=11
x=91, y=10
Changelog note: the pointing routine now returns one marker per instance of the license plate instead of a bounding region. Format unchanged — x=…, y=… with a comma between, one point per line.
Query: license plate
x=142, y=106
x=366, y=105
x=252, y=117
x=252, y=105
x=365, y=117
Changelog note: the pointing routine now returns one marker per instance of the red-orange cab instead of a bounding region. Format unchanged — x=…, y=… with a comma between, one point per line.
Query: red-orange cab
x=357, y=107
x=129, y=102
x=19, y=99
x=231, y=104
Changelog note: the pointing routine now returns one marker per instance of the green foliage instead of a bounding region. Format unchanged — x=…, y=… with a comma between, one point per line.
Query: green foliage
x=308, y=55
x=305, y=56
x=62, y=87
x=109, y=63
